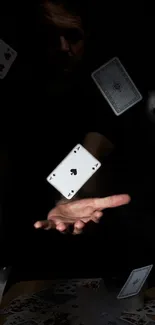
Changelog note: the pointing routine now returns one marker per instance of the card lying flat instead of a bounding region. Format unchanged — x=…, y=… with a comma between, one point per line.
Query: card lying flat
x=135, y=282
x=7, y=57
x=116, y=86
x=74, y=171
x=134, y=319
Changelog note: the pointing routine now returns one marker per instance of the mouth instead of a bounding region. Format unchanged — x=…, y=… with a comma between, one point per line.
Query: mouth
x=70, y=54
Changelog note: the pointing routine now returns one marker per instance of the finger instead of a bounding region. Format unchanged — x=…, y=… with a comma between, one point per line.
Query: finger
x=111, y=201
x=78, y=227
x=96, y=220
x=61, y=227
x=54, y=213
x=45, y=224
x=97, y=216
x=86, y=219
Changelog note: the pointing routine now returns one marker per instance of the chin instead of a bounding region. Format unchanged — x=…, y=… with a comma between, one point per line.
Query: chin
x=73, y=65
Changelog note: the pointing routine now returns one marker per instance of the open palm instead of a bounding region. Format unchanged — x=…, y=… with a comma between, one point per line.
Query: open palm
x=80, y=212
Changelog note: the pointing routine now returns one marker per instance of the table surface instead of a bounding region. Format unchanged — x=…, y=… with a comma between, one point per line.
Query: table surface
x=33, y=293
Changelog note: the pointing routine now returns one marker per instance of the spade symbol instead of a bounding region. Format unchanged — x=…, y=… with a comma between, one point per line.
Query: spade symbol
x=2, y=67
x=7, y=56
x=73, y=171
x=117, y=86
x=135, y=282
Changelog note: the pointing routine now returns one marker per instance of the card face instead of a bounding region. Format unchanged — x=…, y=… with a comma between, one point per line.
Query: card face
x=7, y=57
x=116, y=86
x=135, y=282
x=20, y=318
x=134, y=318
x=149, y=307
x=74, y=171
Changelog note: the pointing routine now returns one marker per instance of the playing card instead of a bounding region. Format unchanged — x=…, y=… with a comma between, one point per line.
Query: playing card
x=59, y=318
x=134, y=318
x=137, y=311
x=7, y=57
x=87, y=306
x=67, y=288
x=149, y=307
x=58, y=287
x=116, y=86
x=18, y=318
x=32, y=303
x=135, y=282
x=93, y=284
x=74, y=171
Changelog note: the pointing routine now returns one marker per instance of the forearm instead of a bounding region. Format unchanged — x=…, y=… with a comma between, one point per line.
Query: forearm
x=99, y=146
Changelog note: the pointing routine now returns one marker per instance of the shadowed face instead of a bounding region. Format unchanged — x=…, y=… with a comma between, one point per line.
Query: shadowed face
x=66, y=37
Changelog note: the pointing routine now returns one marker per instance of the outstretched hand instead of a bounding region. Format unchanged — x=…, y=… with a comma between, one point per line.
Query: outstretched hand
x=79, y=212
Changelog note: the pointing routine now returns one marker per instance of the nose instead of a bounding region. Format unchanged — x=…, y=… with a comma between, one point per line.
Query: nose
x=64, y=44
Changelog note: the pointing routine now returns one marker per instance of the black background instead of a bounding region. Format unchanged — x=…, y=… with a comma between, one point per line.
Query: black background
x=36, y=138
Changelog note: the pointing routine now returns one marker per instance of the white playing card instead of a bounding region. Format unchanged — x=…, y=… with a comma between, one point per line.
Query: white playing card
x=7, y=57
x=116, y=86
x=135, y=282
x=74, y=171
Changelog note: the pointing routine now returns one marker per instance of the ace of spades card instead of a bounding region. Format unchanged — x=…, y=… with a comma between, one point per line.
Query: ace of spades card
x=7, y=57
x=74, y=171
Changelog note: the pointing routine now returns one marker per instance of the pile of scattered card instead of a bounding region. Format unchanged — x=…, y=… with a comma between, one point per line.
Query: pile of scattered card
x=141, y=315
x=134, y=318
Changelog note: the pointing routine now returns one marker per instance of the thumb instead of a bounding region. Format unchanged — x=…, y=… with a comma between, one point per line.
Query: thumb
x=111, y=201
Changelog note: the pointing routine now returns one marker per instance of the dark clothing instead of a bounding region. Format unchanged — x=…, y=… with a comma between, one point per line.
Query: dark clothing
x=42, y=123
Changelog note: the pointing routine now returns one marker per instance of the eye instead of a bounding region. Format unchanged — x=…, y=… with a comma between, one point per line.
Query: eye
x=73, y=35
